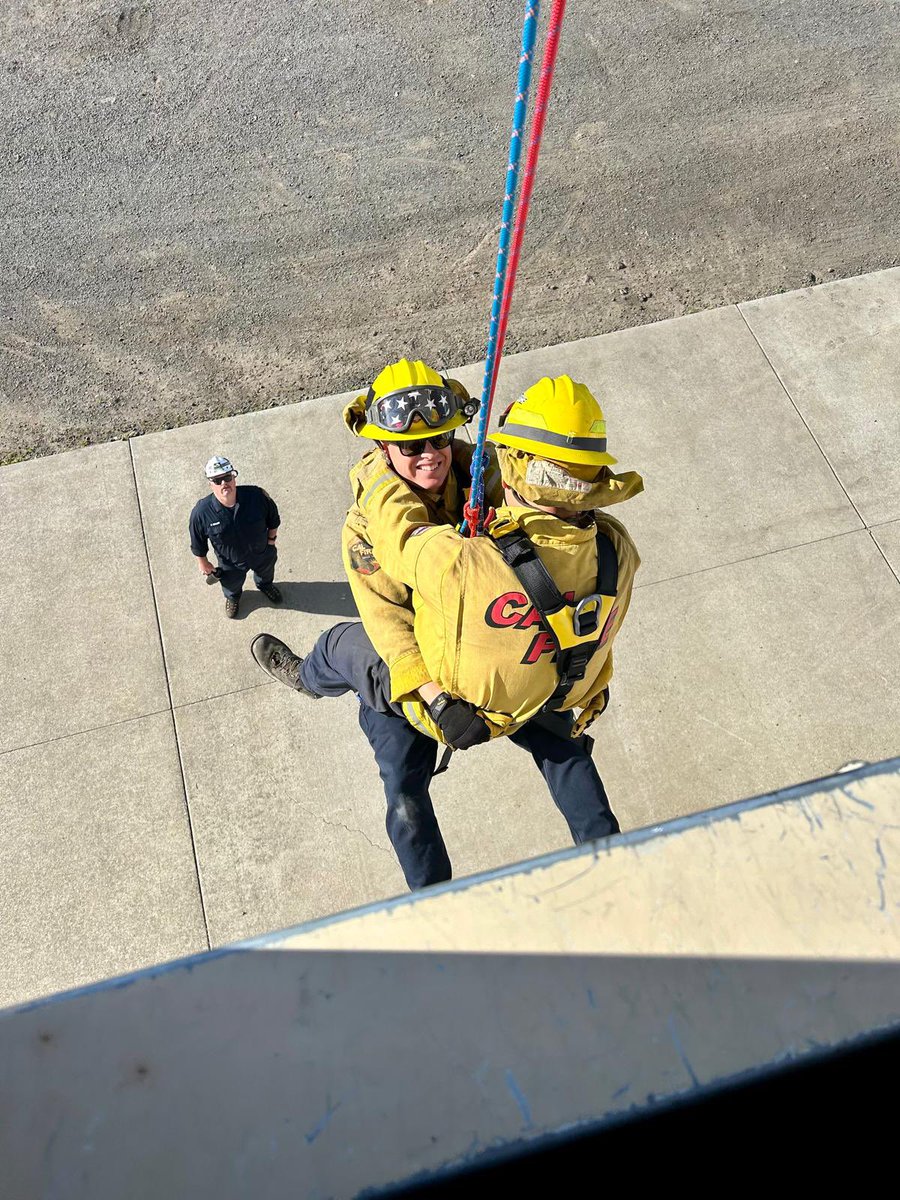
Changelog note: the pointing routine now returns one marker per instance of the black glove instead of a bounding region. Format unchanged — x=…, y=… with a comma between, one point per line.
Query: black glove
x=459, y=722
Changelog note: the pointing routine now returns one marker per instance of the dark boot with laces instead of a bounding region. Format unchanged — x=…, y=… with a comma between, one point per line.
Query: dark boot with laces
x=277, y=660
x=232, y=604
x=270, y=590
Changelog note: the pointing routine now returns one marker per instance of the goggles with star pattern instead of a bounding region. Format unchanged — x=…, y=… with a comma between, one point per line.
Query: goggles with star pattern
x=433, y=406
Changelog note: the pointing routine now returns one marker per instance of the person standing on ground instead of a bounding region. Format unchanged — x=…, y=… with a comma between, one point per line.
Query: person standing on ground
x=487, y=663
x=241, y=523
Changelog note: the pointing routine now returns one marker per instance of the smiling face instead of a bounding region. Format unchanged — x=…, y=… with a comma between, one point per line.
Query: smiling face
x=224, y=488
x=428, y=470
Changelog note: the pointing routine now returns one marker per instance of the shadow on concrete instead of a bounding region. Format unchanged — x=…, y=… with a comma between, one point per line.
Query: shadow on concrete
x=330, y=599
x=333, y=599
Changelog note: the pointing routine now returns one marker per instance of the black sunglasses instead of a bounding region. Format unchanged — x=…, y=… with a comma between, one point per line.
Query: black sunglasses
x=440, y=441
x=223, y=478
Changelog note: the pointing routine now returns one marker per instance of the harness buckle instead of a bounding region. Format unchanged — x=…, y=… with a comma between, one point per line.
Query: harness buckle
x=572, y=664
x=586, y=618
x=501, y=526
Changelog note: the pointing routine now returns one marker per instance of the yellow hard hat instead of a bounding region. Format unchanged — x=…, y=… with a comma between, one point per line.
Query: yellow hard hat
x=557, y=419
x=408, y=401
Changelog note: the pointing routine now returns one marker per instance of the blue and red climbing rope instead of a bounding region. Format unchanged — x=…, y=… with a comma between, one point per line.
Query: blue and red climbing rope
x=520, y=114
x=508, y=258
x=534, y=148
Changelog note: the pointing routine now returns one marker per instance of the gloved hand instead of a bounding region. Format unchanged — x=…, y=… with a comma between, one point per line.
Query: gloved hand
x=459, y=722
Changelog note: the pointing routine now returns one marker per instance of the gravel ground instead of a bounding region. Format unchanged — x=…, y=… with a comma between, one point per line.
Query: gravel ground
x=213, y=208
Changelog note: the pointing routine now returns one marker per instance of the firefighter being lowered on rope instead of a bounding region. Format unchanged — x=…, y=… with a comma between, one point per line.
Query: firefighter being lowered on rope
x=463, y=640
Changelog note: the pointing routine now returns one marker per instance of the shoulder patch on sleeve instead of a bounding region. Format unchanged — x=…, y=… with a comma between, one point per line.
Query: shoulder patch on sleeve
x=362, y=558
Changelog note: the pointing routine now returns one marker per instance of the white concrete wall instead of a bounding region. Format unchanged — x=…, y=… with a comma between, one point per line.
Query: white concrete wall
x=438, y=1029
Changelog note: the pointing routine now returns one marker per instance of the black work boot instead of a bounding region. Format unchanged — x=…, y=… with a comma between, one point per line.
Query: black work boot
x=277, y=660
x=232, y=604
x=270, y=590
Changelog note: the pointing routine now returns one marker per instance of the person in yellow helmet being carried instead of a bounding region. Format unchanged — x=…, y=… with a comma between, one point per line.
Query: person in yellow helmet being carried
x=512, y=631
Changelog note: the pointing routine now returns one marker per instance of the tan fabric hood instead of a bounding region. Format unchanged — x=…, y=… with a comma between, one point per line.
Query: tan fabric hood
x=543, y=482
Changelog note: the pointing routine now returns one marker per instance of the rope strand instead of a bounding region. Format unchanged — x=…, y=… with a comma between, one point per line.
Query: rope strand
x=510, y=264
x=520, y=111
x=534, y=149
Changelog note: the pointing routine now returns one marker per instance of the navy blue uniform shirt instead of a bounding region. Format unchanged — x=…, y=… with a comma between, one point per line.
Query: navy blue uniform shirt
x=238, y=535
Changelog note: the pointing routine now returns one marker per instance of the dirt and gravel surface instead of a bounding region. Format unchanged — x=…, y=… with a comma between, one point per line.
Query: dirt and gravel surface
x=213, y=208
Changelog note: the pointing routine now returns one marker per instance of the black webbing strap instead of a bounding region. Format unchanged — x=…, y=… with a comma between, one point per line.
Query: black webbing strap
x=607, y=566
x=444, y=763
x=519, y=553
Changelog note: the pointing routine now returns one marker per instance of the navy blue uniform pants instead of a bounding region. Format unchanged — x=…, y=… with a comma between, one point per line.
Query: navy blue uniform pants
x=263, y=568
x=343, y=659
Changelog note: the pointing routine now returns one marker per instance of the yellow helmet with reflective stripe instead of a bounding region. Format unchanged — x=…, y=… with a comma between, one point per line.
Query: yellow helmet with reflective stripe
x=410, y=400
x=557, y=419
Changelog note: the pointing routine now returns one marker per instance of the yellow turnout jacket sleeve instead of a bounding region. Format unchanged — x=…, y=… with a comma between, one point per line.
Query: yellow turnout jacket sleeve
x=385, y=608
x=384, y=602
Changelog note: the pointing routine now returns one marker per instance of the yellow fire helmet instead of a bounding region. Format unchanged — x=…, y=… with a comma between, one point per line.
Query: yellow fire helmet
x=408, y=401
x=557, y=419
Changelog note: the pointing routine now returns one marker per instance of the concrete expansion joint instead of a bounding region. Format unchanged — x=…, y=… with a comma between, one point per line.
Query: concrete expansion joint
x=737, y=562
x=796, y=408
x=251, y=687
x=882, y=553
x=165, y=664
x=77, y=733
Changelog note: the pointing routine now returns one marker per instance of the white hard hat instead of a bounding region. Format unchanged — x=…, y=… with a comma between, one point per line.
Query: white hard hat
x=218, y=465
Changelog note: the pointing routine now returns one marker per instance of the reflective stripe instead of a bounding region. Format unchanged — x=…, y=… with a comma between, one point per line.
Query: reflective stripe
x=553, y=439
x=379, y=482
x=409, y=712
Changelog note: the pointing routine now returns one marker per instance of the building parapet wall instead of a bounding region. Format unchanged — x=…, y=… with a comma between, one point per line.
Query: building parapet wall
x=410, y=1038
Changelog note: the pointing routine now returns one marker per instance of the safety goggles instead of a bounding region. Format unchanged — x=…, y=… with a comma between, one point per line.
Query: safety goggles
x=439, y=441
x=223, y=478
x=432, y=405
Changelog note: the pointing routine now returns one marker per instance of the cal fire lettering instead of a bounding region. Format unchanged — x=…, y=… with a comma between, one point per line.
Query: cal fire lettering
x=607, y=629
x=503, y=613
x=543, y=644
x=513, y=610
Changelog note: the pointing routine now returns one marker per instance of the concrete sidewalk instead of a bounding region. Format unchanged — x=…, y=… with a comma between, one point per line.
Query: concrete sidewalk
x=158, y=795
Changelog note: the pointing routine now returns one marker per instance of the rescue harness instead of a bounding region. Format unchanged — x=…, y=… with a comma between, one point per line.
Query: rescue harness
x=576, y=628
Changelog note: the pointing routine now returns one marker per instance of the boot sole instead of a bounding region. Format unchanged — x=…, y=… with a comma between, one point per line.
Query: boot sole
x=301, y=690
x=259, y=638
